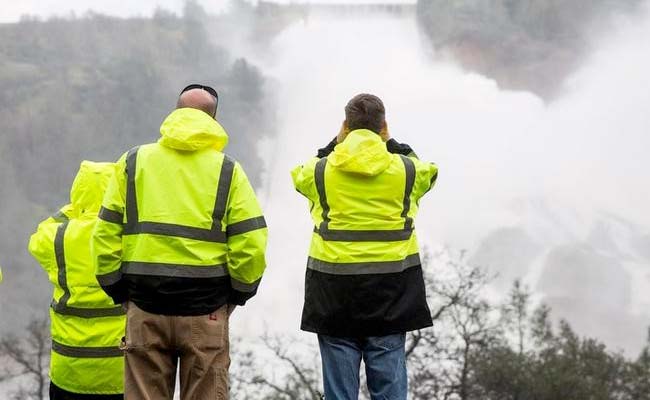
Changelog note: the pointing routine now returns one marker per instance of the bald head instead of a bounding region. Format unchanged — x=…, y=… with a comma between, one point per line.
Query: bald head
x=199, y=99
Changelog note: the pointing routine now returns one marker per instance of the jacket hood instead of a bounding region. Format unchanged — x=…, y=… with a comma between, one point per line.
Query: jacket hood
x=362, y=152
x=88, y=187
x=190, y=129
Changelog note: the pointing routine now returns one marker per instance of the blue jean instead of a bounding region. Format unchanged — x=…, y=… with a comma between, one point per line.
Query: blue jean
x=385, y=362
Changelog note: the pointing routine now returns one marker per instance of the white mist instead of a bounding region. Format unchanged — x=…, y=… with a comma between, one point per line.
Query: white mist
x=585, y=153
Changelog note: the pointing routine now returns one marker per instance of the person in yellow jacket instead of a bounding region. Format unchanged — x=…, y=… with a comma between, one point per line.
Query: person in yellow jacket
x=364, y=286
x=182, y=240
x=86, y=361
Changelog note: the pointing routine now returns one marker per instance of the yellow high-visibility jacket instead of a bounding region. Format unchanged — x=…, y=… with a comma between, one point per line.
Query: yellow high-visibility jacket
x=181, y=231
x=364, y=274
x=86, y=326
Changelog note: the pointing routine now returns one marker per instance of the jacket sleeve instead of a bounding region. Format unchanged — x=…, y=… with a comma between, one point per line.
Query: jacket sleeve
x=425, y=178
x=303, y=180
x=393, y=146
x=325, y=151
x=106, y=243
x=247, y=234
x=41, y=245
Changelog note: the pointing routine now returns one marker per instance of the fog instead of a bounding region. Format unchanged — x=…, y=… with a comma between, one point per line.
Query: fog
x=550, y=190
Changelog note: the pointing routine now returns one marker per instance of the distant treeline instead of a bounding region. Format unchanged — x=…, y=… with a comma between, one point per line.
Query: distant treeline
x=91, y=88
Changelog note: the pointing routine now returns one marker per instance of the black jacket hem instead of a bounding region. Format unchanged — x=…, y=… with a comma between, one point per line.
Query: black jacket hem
x=361, y=330
x=366, y=304
x=176, y=296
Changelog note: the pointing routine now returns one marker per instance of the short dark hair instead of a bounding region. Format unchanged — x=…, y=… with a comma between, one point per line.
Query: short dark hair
x=365, y=111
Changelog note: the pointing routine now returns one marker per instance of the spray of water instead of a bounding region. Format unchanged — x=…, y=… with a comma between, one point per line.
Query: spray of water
x=582, y=155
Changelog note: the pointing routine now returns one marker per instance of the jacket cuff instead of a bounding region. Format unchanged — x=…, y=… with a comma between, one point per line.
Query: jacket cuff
x=241, y=292
x=393, y=146
x=325, y=151
x=117, y=291
x=239, y=298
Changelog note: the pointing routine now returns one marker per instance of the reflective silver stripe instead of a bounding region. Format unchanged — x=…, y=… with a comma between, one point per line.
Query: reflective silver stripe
x=111, y=216
x=364, y=268
x=335, y=235
x=184, y=231
x=59, y=216
x=131, y=200
x=86, y=352
x=175, y=270
x=59, y=252
x=409, y=169
x=223, y=189
x=86, y=312
x=319, y=180
x=110, y=278
x=214, y=234
x=244, y=287
x=386, y=235
x=246, y=225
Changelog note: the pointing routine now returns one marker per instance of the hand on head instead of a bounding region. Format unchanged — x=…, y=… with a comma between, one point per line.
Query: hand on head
x=343, y=133
x=385, y=135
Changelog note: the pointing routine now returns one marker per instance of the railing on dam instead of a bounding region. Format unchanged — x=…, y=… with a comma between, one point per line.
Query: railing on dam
x=271, y=8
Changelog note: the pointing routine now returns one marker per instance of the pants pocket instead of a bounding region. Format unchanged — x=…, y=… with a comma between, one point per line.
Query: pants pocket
x=209, y=332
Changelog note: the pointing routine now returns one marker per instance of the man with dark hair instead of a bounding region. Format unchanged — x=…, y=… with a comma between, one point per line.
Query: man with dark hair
x=364, y=287
x=181, y=240
x=357, y=113
x=365, y=111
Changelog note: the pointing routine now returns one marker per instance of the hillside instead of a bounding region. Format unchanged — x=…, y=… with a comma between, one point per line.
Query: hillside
x=91, y=88
x=528, y=45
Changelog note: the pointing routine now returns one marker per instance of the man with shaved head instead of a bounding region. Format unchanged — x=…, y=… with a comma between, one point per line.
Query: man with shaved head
x=180, y=242
x=199, y=99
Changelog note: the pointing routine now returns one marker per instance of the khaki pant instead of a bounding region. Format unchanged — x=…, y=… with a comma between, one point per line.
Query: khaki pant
x=154, y=345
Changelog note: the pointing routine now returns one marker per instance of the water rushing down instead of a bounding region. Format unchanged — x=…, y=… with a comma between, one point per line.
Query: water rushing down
x=506, y=158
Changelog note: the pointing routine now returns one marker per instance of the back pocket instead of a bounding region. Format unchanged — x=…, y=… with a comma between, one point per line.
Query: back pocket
x=209, y=331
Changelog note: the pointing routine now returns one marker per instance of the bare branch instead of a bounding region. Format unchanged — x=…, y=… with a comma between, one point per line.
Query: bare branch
x=280, y=352
x=28, y=357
